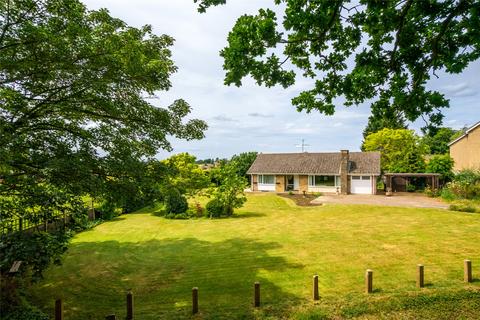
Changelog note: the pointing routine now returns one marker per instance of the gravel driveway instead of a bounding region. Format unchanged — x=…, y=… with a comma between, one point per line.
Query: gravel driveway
x=397, y=200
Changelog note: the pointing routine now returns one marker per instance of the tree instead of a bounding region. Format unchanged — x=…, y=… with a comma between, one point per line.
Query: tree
x=400, y=150
x=442, y=164
x=74, y=118
x=394, y=47
x=437, y=140
x=243, y=162
x=384, y=118
x=229, y=193
x=184, y=174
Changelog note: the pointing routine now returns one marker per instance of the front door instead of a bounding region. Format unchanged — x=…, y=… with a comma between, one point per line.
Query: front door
x=296, y=182
x=289, y=183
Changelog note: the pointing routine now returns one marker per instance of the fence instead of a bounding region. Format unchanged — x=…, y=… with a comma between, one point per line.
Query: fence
x=420, y=276
x=36, y=224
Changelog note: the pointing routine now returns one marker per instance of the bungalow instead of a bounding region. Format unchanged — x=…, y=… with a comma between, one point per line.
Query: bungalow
x=465, y=151
x=345, y=172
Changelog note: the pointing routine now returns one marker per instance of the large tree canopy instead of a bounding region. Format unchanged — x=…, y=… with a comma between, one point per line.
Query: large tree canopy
x=73, y=106
x=437, y=140
x=401, y=150
x=382, y=52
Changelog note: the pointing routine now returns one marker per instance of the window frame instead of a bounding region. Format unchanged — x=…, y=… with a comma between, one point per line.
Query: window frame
x=311, y=181
x=261, y=179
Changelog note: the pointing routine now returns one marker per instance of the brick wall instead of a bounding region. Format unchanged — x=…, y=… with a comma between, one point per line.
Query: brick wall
x=280, y=183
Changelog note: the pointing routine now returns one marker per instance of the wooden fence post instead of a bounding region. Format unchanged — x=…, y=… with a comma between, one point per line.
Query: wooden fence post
x=467, y=271
x=58, y=309
x=111, y=317
x=420, y=276
x=195, y=300
x=316, y=296
x=256, y=301
x=369, y=281
x=129, y=305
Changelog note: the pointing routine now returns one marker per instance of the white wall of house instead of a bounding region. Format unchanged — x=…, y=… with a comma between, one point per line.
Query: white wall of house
x=322, y=189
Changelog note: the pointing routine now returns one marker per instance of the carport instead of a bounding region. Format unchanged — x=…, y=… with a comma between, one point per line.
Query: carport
x=398, y=182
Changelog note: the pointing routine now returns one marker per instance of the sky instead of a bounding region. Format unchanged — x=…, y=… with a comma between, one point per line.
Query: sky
x=250, y=117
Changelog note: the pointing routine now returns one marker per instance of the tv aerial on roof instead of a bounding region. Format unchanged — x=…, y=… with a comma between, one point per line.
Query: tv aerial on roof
x=303, y=145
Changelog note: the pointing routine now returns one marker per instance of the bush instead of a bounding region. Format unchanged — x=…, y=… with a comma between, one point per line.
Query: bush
x=462, y=207
x=107, y=210
x=175, y=202
x=465, y=184
x=199, y=211
x=432, y=193
x=25, y=312
x=410, y=187
x=447, y=193
x=214, y=208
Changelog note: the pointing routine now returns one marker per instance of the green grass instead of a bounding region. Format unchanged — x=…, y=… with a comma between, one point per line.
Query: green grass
x=282, y=246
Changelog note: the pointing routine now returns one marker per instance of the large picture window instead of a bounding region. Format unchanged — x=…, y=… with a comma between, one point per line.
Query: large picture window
x=266, y=179
x=321, y=181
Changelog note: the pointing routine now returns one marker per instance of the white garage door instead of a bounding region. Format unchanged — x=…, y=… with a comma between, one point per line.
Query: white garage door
x=361, y=185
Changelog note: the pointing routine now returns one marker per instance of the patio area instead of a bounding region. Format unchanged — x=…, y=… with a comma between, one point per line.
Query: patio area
x=399, y=199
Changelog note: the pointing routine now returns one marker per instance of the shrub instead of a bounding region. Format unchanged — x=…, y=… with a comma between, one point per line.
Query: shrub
x=214, y=208
x=175, y=202
x=199, y=211
x=447, y=194
x=462, y=207
x=37, y=250
x=465, y=185
x=290, y=192
x=25, y=312
x=429, y=192
x=108, y=210
x=410, y=187
x=229, y=194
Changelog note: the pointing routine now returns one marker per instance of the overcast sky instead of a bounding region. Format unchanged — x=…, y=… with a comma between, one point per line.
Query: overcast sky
x=253, y=118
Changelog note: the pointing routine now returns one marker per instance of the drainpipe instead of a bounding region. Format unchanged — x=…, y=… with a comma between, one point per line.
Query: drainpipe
x=344, y=187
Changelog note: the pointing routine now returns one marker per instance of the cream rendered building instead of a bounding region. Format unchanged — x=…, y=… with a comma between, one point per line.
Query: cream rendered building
x=465, y=150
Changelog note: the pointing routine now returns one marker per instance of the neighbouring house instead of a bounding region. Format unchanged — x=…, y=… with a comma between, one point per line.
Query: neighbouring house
x=465, y=150
x=344, y=172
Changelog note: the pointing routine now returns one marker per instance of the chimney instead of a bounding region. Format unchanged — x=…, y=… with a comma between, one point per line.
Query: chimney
x=344, y=187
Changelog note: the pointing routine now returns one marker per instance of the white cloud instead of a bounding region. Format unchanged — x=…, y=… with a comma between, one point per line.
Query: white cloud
x=461, y=89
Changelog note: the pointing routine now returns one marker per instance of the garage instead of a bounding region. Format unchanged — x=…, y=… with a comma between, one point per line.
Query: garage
x=361, y=185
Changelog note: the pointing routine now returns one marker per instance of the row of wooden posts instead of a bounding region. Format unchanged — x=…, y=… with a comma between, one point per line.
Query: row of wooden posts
x=467, y=277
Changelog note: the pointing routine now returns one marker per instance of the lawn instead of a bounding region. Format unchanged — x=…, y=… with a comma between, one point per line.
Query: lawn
x=281, y=245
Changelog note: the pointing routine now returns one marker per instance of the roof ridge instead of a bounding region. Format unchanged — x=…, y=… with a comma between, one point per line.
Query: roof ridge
x=465, y=133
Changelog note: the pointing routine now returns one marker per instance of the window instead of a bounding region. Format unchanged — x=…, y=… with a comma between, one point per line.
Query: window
x=355, y=177
x=266, y=179
x=365, y=177
x=321, y=181
x=338, y=181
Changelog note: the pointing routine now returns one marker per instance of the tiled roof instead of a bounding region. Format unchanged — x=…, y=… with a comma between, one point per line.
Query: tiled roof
x=315, y=163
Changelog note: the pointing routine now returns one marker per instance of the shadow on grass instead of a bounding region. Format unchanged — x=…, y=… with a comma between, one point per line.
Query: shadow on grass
x=161, y=274
x=244, y=215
